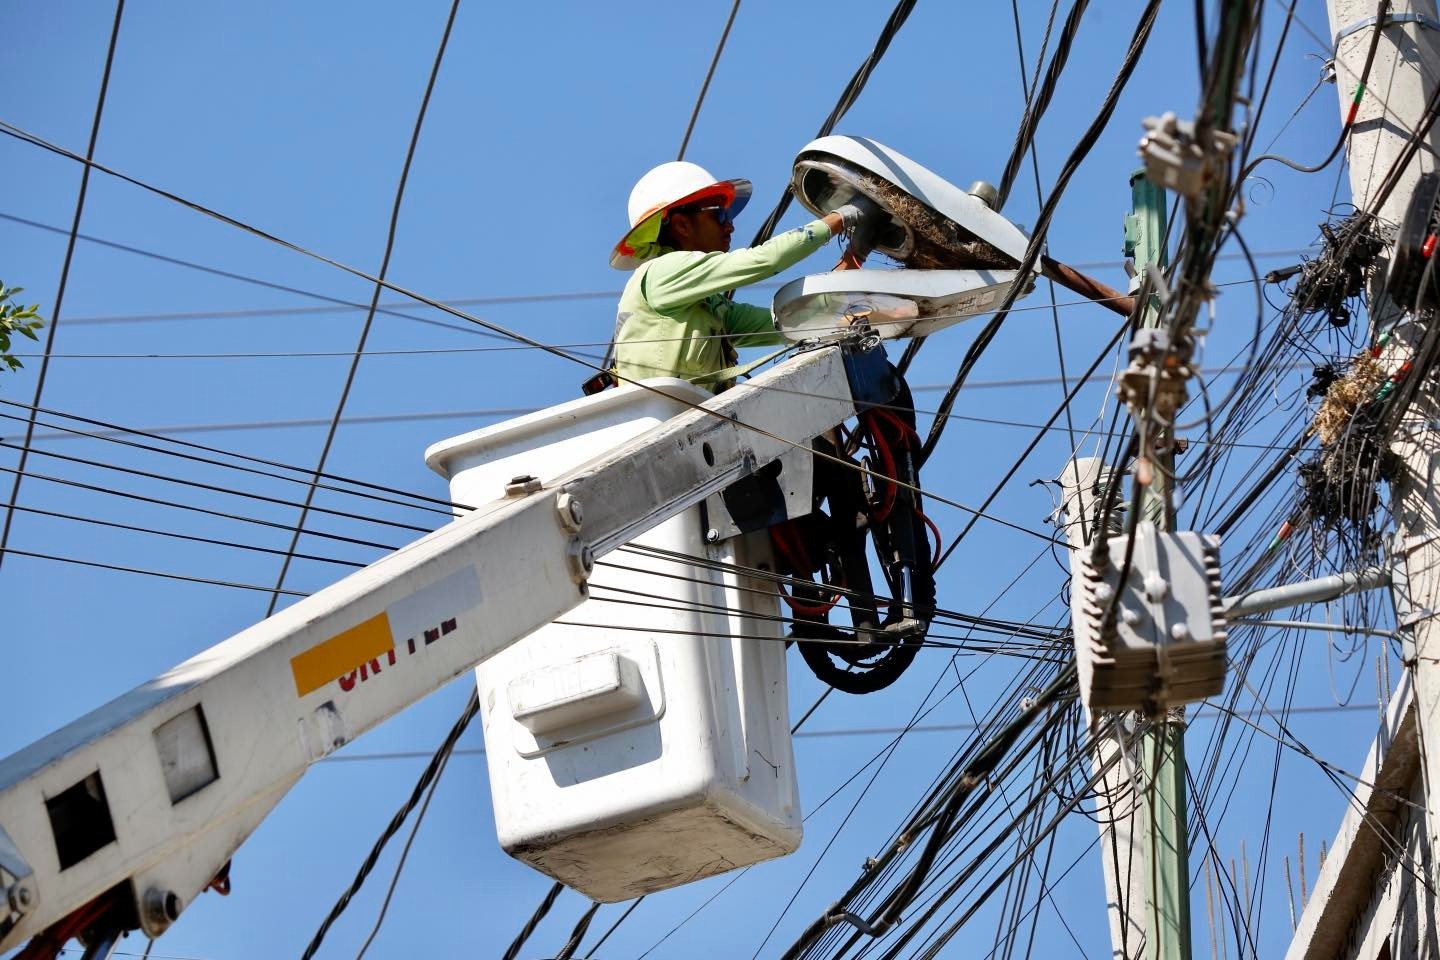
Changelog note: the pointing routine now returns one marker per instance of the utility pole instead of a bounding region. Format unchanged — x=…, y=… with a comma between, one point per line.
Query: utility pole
x=1120, y=793
x=1402, y=78
x=1162, y=747
x=1143, y=807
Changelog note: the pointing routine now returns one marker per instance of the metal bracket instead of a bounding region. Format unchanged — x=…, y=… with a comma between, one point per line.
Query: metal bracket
x=1409, y=545
x=1405, y=615
x=1391, y=19
x=781, y=490
x=1184, y=157
x=17, y=893
x=1416, y=616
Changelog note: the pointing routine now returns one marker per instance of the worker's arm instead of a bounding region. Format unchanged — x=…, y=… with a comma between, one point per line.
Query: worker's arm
x=752, y=326
x=747, y=324
x=679, y=280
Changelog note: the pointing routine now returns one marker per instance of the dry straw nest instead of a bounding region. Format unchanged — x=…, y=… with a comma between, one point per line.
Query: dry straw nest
x=1345, y=396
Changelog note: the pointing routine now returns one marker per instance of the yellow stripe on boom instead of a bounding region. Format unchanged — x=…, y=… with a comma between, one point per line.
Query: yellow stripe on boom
x=341, y=653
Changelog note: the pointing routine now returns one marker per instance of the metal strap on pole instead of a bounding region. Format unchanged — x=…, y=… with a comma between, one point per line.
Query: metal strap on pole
x=1391, y=19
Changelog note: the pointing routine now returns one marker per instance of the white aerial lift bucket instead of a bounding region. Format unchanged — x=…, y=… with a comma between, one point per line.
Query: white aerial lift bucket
x=643, y=741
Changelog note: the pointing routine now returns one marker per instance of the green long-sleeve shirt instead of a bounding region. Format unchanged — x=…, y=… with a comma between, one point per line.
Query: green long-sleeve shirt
x=674, y=309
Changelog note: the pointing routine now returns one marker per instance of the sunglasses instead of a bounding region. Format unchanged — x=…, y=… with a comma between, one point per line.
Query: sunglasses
x=720, y=212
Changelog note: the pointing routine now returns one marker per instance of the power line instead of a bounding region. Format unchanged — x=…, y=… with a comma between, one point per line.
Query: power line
x=149, y=573
x=848, y=96
x=1200, y=716
x=213, y=541
x=64, y=270
x=710, y=73
x=114, y=429
x=215, y=488
x=491, y=412
x=341, y=305
x=511, y=347
x=1034, y=151
x=1042, y=224
x=25, y=136
x=194, y=509
x=431, y=773
x=374, y=304
x=1038, y=100
x=116, y=437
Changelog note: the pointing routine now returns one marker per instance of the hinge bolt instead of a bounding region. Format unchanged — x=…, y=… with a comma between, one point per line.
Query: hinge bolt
x=581, y=559
x=571, y=515
x=21, y=898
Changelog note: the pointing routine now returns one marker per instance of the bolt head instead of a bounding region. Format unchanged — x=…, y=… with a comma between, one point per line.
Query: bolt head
x=712, y=535
x=1156, y=587
x=21, y=898
x=572, y=515
x=581, y=560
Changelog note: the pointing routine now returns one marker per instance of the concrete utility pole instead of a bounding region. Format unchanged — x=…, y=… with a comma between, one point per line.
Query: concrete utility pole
x=1402, y=78
x=1120, y=794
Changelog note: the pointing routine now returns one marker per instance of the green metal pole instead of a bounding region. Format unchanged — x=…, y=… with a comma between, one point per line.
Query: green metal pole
x=1145, y=242
x=1163, y=746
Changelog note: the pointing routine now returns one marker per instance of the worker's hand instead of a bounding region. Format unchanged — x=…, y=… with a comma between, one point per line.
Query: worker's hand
x=859, y=209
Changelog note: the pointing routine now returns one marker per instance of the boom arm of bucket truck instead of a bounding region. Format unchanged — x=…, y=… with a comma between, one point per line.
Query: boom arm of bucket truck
x=124, y=816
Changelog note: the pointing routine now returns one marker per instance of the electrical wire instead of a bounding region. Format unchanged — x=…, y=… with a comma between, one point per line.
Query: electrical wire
x=11, y=130
x=404, y=856
x=431, y=773
x=709, y=74
x=114, y=524
x=149, y=573
x=421, y=501
x=65, y=265
x=1037, y=239
x=140, y=498
x=215, y=488
x=898, y=15
x=340, y=305
x=1249, y=168
x=370, y=314
x=116, y=429
x=1037, y=104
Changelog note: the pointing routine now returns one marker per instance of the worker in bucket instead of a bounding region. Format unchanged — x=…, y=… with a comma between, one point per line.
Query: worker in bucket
x=675, y=317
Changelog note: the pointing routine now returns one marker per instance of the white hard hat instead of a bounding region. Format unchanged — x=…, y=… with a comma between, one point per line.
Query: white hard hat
x=669, y=185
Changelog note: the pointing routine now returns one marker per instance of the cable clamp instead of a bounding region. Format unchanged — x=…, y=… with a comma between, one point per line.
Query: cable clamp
x=1391, y=19
x=1183, y=157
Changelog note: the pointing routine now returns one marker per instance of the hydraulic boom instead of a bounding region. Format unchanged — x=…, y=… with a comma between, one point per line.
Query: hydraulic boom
x=121, y=818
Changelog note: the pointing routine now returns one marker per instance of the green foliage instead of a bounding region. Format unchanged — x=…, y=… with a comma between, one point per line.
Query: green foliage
x=15, y=318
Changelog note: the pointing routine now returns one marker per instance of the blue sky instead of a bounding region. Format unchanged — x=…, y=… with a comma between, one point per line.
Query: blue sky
x=295, y=118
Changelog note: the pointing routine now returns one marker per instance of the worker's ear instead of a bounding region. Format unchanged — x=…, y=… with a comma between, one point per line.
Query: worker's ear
x=681, y=228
